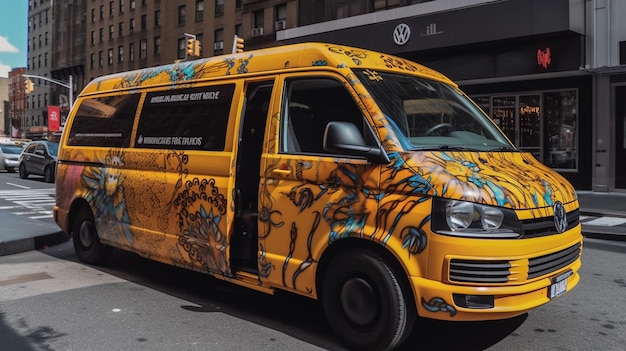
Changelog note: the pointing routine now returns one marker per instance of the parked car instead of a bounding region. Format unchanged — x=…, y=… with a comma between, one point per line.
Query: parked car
x=9, y=157
x=40, y=158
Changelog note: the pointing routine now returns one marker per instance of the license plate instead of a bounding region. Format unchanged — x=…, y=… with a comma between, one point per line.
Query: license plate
x=559, y=285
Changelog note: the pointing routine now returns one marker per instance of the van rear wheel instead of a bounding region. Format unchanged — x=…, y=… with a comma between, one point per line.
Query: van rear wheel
x=87, y=244
x=365, y=303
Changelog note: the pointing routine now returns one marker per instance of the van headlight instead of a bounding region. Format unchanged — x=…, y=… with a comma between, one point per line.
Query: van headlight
x=472, y=220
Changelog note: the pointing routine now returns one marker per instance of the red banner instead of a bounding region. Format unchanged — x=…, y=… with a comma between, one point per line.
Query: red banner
x=54, y=118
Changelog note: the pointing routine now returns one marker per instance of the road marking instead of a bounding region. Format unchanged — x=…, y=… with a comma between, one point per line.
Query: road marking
x=19, y=186
x=606, y=221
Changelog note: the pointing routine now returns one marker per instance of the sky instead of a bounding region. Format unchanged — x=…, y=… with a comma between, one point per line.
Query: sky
x=13, y=25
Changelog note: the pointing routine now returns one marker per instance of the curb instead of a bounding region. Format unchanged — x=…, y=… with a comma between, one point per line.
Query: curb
x=32, y=243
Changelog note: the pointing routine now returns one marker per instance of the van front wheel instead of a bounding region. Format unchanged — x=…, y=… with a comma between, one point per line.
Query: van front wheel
x=365, y=303
x=85, y=238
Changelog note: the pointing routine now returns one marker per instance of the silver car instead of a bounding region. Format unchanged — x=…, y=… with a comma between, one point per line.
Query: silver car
x=9, y=157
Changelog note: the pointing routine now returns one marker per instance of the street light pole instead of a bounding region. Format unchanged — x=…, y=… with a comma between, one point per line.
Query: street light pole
x=58, y=82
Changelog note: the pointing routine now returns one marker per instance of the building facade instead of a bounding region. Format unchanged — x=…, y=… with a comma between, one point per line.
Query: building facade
x=17, y=102
x=38, y=63
x=124, y=35
x=548, y=72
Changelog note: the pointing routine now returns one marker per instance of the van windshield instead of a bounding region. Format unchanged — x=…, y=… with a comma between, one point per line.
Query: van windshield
x=430, y=115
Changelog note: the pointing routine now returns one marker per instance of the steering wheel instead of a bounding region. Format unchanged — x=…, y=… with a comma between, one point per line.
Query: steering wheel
x=432, y=130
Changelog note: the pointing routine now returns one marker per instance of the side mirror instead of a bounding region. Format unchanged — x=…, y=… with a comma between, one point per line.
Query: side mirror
x=345, y=139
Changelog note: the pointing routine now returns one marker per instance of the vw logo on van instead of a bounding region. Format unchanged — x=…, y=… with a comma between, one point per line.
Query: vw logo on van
x=560, y=217
x=401, y=34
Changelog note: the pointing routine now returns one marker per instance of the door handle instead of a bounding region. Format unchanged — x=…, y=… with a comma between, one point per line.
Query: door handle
x=281, y=171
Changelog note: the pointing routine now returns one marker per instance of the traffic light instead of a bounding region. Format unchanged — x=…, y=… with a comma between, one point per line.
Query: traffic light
x=196, y=48
x=191, y=43
x=238, y=45
x=29, y=86
x=193, y=48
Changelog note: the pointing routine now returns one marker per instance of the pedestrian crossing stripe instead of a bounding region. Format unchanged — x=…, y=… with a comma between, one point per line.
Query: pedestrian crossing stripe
x=606, y=221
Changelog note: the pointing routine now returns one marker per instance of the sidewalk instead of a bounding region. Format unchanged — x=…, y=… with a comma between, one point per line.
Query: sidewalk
x=610, y=211
x=603, y=216
x=19, y=234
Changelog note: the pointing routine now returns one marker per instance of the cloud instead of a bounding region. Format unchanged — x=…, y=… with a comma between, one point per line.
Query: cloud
x=5, y=46
x=4, y=70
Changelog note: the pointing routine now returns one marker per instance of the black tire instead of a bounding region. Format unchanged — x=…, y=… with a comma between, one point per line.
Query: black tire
x=365, y=303
x=87, y=244
x=23, y=173
x=48, y=174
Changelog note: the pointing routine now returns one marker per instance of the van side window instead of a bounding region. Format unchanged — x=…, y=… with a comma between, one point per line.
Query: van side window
x=186, y=119
x=104, y=121
x=308, y=105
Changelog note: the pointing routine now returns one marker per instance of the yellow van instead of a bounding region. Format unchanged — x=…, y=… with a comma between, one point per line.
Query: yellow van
x=358, y=178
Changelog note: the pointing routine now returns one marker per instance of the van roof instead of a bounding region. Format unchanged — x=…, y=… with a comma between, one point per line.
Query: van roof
x=279, y=58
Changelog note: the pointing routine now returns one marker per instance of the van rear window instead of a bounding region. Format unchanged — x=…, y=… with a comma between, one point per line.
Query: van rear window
x=185, y=119
x=104, y=121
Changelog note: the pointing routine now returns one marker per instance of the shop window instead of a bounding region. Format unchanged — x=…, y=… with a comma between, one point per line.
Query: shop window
x=179, y=119
x=561, y=136
x=543, y=123
x=105, y=121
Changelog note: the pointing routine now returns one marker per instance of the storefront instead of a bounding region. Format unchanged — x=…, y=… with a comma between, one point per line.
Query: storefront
x=520, y=60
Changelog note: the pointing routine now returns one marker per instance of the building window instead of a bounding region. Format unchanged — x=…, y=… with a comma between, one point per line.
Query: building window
x=219, y=7
x=218, y=47
x=110, y=8
x=385, y=4
x=92, y=60
x=46, y=38
x=101, y=12
x=281, y=17
x=131, y=52
x=143, y=49
x=100, y=59
x=157, y=18
x=199, y=10
x=120, y=54
x=101, y=32
x=93, y=16
x=110, y=56
x=181, y=15
x=111, y=30
x=182, y=47
x=157, y=45
x=144, y=23
x=121, y=6
x=132, y=25
x=45, y=60
x=257, y=27
x=120, y=31
x=132, y=4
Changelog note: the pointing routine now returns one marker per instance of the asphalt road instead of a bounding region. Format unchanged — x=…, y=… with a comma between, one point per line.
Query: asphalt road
x=49, y=301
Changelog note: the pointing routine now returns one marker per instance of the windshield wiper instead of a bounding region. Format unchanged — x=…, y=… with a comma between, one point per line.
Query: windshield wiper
x=504, y=148
x=443, y=148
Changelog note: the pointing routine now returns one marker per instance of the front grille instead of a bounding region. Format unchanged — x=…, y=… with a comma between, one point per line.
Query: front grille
x=545, y=225
x=494, y=272
x=472, y=271
x=543, y=265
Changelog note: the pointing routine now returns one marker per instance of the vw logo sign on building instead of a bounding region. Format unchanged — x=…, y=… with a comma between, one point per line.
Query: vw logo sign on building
x=401, y=34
